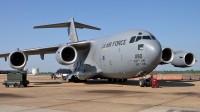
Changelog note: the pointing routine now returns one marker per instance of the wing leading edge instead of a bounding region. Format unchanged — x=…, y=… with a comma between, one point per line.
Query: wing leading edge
x=34, y=51
x=46, y=50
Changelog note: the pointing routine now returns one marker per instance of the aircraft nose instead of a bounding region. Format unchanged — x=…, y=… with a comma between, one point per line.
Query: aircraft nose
x=153, y=52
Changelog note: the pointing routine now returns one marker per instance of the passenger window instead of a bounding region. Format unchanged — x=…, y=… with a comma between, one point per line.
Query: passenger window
x=147, y=37
x=132, y=39
x=138, y=38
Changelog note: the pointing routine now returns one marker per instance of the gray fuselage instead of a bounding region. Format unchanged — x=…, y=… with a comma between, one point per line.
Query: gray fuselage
x=128, y=54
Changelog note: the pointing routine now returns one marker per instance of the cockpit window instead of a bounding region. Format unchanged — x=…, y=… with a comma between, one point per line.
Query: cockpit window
x=132, y=39
x=153, y=37
x=147, y=37
x=138, y=38
x=135, y=39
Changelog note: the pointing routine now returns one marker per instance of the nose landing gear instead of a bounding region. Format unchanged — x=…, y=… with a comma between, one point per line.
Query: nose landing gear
x=145, y=82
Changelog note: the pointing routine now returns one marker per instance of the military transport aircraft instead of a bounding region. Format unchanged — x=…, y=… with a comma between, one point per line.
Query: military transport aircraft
x=129, y=54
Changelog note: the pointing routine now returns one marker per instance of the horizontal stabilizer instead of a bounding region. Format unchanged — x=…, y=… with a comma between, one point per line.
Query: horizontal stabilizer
x=71, y=25
x=67, y=24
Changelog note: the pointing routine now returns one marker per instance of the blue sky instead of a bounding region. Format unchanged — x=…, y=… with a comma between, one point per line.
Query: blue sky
x=176, y=24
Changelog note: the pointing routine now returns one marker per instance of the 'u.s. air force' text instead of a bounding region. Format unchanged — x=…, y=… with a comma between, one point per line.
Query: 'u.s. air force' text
x=115, y=43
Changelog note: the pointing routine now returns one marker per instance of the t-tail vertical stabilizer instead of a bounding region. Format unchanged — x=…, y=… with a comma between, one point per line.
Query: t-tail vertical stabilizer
x=72, y=31
x=72, y=25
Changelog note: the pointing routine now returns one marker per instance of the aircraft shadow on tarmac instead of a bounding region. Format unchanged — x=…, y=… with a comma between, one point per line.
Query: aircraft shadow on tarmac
x=39, y=84
x=162, y=83
x=46, y=83
x=176, y=83
x=7, y=95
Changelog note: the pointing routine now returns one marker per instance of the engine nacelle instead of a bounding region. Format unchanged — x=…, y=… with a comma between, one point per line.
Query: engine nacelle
x=167, y=55
x=183, y=59
x=66, y=55
x=17, y=60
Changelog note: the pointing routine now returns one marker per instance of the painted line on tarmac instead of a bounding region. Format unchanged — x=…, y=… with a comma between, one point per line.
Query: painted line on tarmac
x=169, y=109
x=13, y=108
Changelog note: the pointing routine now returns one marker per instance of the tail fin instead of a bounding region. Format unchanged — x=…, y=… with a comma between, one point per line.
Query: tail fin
x=71, y=28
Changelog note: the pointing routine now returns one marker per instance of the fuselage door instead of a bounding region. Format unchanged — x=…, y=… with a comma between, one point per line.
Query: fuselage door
x=111, y=65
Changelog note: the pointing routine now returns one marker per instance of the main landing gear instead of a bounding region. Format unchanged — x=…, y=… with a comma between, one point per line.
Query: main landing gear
x=76, y=80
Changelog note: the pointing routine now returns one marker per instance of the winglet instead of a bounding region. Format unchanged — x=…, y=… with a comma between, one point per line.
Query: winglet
x=71, y=28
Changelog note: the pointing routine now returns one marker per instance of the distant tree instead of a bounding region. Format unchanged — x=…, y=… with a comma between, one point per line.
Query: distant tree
x=179, y=72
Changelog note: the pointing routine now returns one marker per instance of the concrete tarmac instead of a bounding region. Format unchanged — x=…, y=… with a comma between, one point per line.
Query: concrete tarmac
x=44, y=94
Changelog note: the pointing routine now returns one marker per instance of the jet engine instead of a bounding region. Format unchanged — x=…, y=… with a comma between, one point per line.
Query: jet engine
x=183, y=59
x=66, y=55
x=167, y=55
x=17, y=60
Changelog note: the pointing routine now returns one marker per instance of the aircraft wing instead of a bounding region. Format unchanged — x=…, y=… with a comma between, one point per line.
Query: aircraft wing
x=35, y=51
x=43, y=50
x=47, y=50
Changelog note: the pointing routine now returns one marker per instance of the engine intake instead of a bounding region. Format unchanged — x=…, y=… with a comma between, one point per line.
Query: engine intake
x=183, y=59
x=66, y=55
x=167, y=55
x=17, y=60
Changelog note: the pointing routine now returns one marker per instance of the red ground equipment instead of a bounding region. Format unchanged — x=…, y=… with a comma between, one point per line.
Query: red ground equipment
x=154, y=82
